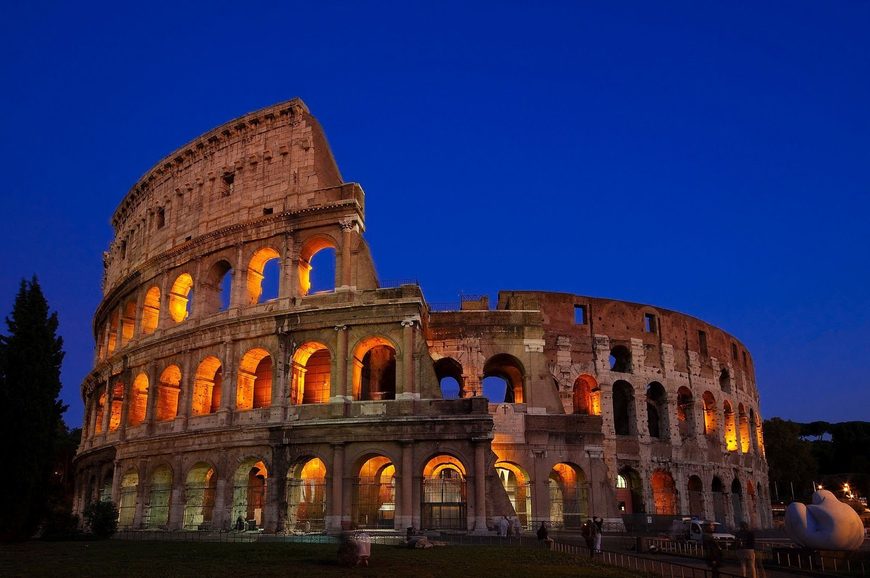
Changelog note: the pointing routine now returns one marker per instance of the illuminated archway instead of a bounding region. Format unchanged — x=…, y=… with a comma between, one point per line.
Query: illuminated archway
x=113, y=331
x=256, y=274
x=710, y=423
x=664, y=493
x=160, y=491
x=624, y=416
x=151, y=310
x=207, y=385
x=517, y=485
x=181, y=297
x=128, y=322
x=168, y=390
x=730, y=427
x=374, y=369
x=685, y=413
x=743, y=424
x=116, y=402
x=311, y=248
x=199, y=493
x=310, y=379
x=138, y=400
x=374, y=504
x=759, y=436
x=569, y=501
x=504, y=372
x=254, y=385
x=306, y=496
x=444, y=503
x=102, y=400
x=127, y=500
x=249, y=493
x=586, y=398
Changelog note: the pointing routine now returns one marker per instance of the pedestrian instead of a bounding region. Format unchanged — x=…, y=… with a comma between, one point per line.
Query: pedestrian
x=588, y=537
x=503, y=526
x=542, y=532
x=746, y=550
x=712, y=550
x=599, y=531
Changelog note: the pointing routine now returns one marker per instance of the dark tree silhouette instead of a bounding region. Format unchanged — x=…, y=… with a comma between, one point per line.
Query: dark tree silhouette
x=30, y=412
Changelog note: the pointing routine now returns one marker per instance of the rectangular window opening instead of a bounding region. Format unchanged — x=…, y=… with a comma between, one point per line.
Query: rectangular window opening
x=229, y=181
x=745, y=363
x=649, y=323
x=702, y=343
x=579, y=315
x=734, y=351
x=267, y=211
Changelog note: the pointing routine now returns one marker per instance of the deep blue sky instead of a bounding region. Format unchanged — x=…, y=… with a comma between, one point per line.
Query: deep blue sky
x=708, y=157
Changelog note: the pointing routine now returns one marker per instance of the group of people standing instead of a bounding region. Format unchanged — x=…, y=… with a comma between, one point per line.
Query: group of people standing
x=591, y=532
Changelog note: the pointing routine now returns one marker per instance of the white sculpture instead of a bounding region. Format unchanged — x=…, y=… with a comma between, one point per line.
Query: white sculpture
x=826, y=524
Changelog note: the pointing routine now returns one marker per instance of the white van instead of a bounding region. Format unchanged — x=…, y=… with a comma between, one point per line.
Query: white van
x=692, y=530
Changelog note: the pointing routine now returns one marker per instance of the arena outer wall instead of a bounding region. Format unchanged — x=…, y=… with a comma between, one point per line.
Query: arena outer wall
x=212, y=406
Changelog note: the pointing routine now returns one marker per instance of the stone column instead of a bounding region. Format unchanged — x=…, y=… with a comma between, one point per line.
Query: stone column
x=185, y=394
x=408, y=389
x=117, y=474
x=140, y=497
x=341, y=389
x=336, y=511
x=480, y=485
x=228, y=385
x=176, y=496
x=238, y=295
x=125, y=406
x=107, y=408
x=347, y=228
x=151, y=407
x=220, y=520
x=405, y=517
x=280, y=390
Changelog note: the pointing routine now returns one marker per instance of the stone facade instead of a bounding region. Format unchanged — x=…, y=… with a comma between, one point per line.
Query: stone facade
x=214, y=404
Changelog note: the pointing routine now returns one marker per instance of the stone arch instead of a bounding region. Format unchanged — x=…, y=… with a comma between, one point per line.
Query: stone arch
x=254, y=384
x=710, y=415
x=695, y=489
x=128, y=322
x=657, y=411
x=374, y=369
x=207, y=385
x=311, y=247
x=725, y=380
x=199, y=496
x=743, y=429
x=168, y=391
x=730, y=426
x=216, y=289
x=374, y=497
x=508, y=369
x=249, y=493
x=128, y=498
x=114, y=320
x=717, y=488
x=624, y=413
x=444, y=495
x=759, y=435
x=256, y=272
x=737, y=501
x=115, y=402
x=585, y=398
x=664, y=492
x=181, y=298
x=449, y=374
x=307, y=495
x=517, y=485
x=629, y=491
x=685, y=413
x=620, y=359
x=159, y=496
x=150, y=310
x=310, y=377
x=138, y=400
x=569, y=496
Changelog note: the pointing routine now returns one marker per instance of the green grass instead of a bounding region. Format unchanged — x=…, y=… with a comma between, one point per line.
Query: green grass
x=252, y=560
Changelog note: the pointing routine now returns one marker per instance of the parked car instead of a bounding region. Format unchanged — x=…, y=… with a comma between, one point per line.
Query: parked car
x=693, y=529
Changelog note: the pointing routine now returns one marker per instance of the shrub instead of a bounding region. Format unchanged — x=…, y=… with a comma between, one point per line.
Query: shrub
x=101, y=518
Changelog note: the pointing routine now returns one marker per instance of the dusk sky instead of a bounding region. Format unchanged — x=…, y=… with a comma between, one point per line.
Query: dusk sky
x=707, y=157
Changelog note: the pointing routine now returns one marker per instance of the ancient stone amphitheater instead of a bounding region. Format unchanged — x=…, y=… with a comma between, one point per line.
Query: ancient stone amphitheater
x=228, y=393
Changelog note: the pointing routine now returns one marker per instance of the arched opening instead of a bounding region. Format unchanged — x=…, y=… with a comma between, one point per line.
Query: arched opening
x=157, y=511
x=444, y=503
x=730, y=427
x=725, y=381
x=743, y=422
x=374, y=505
x=374, y=370
x=263, y=276
x=151, y=310
x=106, y=486
x=168, y=390
x=569, y=496
x=620, y=359
x=128, y=322
x=657, y=411
x=199, y=493
x=586, y=396
x=254, y=385
x=737, y=501
x=718, y=490
x=517, y=486
x=249, y=494
x=624, y=416
x=752, y=505
x=217, y=288
x=629, y=491
x=449, y=374
x=207, y=387
x=710, y=424
x=696, y=497
x=685, y=413
x=664, y=493
x=127, y=499
x=310, y=379
x=113, y=331
x=138, y=400
x=306, y=496
x=503, y=377
x=100, y=410
x=325, y=264
x=181, y=298
x=115, y=405
x=759, y=436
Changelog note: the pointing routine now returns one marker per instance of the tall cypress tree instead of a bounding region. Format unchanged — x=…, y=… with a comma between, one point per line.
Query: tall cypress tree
x=30, y=412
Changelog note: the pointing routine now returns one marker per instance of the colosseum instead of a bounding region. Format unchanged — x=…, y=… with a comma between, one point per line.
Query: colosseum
x=230, y=392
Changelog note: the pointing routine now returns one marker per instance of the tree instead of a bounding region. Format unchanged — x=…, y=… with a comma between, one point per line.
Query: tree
x=790, y=460
x=30, y=412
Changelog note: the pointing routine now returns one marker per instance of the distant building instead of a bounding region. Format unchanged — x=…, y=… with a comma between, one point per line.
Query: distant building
x=213, y=404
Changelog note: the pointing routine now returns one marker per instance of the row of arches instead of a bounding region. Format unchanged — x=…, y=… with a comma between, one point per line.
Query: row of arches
x=740, y=429
x=214, y=291
x=373, y=378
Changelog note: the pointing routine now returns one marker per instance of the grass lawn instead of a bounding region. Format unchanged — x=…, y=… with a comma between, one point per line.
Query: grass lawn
x=252, y=560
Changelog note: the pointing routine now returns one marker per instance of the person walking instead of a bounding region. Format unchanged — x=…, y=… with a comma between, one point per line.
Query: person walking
x=712, y=550
x=542, y=532
x=599, y=532
x=746, y=550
